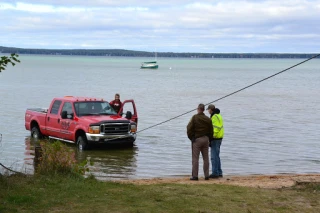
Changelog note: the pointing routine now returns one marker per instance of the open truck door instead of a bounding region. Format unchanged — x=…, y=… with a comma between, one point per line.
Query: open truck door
x=129, y=111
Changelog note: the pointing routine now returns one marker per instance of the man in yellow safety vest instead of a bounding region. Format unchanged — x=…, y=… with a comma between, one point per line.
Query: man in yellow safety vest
x=215, y=143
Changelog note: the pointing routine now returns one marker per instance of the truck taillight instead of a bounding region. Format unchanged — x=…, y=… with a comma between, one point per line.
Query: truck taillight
x=94, y=129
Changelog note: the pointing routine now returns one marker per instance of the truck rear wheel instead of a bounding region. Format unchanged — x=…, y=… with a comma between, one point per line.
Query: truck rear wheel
x=35, y=132
x=82, y=143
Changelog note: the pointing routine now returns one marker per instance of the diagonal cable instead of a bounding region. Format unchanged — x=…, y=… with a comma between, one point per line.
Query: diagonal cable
x=232, y=93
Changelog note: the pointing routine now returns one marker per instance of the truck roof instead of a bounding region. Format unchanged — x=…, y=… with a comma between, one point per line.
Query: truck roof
x=75, y=98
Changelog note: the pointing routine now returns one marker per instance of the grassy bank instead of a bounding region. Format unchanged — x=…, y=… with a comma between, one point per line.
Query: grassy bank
x=76, y=194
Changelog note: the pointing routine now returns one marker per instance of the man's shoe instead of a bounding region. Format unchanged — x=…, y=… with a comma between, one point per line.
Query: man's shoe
x=194, y=178
x=206, y=178
x=214, y=176
x=221, y=176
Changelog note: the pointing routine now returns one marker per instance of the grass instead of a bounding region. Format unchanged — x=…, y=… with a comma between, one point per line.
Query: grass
x=70, y=193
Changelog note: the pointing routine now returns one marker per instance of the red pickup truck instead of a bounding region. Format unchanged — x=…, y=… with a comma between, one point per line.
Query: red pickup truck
x=84, y=121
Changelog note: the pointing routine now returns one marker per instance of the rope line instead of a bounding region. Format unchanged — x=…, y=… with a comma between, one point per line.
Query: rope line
x=11, y=169
x=231, y=93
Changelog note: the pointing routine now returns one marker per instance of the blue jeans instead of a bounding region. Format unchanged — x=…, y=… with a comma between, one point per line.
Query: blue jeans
x=215, y=157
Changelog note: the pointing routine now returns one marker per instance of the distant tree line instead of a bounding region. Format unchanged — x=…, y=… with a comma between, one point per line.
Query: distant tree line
x=132, y=53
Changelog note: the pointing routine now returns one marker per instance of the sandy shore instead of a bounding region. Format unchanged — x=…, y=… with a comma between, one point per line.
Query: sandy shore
x=258, y=181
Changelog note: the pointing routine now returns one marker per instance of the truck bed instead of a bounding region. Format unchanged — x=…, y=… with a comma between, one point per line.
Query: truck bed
x=42, y=110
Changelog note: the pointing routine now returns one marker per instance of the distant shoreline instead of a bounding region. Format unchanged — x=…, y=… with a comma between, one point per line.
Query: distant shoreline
x=133, y=53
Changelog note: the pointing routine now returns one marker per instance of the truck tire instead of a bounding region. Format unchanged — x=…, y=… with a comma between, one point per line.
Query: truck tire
x=35, y=132
x=82, y=143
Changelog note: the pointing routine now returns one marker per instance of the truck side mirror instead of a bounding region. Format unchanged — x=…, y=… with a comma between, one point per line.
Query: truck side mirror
x=128, y=115
x=64, y=114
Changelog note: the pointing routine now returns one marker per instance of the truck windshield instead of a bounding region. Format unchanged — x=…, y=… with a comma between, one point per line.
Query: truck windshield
x=93, y=108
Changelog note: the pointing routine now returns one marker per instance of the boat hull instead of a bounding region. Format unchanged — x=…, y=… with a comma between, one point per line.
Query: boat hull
x=149, y=67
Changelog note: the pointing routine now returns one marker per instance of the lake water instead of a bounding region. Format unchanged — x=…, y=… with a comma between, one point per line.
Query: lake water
x=270, y=128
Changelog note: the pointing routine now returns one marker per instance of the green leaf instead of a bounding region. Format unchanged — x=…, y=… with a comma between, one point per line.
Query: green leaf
x=4, y=60
x=15, y=59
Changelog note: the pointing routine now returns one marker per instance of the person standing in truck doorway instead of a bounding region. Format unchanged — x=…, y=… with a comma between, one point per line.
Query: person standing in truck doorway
x=116, y=104
x=200, y=132
x=215, y=143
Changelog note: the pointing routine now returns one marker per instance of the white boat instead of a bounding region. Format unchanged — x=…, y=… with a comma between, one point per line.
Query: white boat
x=150, y=64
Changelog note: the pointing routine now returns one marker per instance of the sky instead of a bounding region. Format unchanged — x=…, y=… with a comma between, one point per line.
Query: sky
x=216, y=26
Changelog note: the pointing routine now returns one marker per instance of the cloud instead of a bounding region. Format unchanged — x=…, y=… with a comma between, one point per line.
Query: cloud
x=177, y=26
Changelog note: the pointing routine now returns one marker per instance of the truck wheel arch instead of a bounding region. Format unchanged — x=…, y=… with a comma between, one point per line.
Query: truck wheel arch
x=34, y=123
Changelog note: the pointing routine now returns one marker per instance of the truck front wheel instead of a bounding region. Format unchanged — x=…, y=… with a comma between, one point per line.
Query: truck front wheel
x=35, y=133
x=82, y=143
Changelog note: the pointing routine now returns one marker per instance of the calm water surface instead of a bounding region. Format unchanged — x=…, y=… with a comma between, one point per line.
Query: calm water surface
x=270, y=128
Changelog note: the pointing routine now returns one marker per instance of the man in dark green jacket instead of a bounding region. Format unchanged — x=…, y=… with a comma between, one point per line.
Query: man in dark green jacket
x=200, y=132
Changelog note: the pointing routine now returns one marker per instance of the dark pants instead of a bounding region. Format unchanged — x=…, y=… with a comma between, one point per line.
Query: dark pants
x=200, y=145
x=215, y=157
